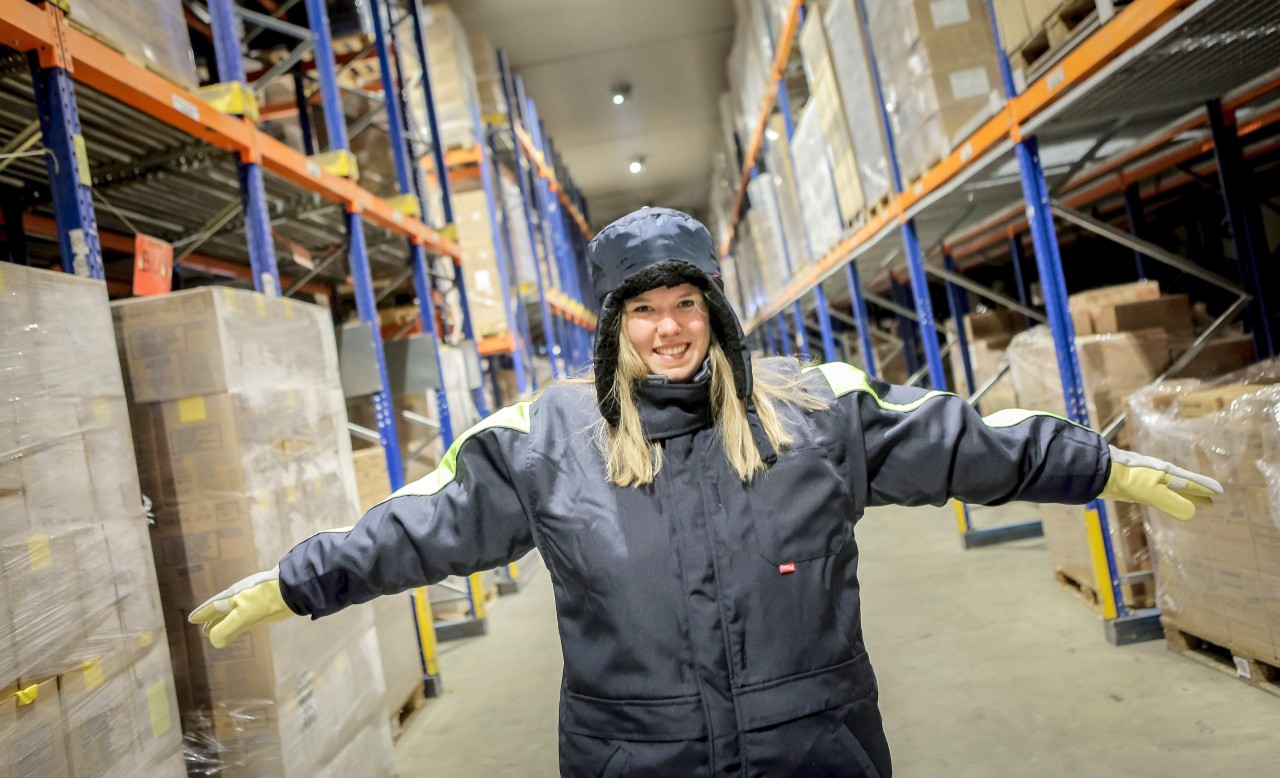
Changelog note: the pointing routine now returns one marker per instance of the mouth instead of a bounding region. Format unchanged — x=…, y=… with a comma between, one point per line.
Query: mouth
x=672, y=352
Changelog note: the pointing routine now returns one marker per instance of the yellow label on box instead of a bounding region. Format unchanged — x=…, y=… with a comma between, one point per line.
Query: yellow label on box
x=92, y=670
x=260, y=303
x=288, y=307
x=101, y=409
x=318, y=485
x=191, y=409
x=28, y=695
x=291, y=493
x=158, y=707
x=38, y=551
x=145, y=639
x=229, y=298
x=1, y=279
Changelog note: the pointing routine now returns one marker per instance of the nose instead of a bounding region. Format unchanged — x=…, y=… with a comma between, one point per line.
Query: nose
x=668, y=326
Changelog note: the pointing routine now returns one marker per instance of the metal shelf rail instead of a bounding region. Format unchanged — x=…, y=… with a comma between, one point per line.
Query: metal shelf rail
x=60, y=56
x=1140, y=73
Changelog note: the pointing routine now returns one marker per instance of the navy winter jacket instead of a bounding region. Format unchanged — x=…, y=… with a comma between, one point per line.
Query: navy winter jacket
x=709, y=627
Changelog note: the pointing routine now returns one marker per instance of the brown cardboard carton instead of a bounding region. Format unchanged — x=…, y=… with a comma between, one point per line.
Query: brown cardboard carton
x=1011, y=17
x=158, y=728
x=992, y=324
x=1220, y=357
x=97, y=703
x=398, y=645
x=372, y=481
x=31, y=732
x=44, y=588
x=1172, y=312
x=55, y=471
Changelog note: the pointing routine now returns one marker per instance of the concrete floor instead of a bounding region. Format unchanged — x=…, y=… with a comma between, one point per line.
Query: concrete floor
x=986, y=667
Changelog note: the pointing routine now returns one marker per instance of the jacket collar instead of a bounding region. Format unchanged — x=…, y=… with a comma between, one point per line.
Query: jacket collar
x=669, y=410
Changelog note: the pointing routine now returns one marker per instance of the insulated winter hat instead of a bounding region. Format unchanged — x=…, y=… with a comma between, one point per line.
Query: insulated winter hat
x=644, y=250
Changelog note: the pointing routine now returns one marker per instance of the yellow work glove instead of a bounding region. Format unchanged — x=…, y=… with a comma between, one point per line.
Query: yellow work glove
x=254, y=600
x=1154, y=482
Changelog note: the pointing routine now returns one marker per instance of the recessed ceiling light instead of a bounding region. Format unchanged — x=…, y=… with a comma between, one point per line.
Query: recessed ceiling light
x=636, y=166
x=620, y=93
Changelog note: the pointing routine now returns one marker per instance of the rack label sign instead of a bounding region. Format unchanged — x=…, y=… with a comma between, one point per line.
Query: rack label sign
x=152, y=266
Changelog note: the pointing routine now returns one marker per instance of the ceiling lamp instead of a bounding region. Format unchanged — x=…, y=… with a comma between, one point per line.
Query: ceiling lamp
x=620, y=93
x=637, y=165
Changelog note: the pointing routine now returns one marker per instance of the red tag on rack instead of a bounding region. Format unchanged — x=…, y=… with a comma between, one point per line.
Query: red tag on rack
x=789, y=567
x=152, y=266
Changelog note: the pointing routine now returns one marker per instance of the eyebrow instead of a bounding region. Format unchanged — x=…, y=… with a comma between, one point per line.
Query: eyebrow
x=644, y=297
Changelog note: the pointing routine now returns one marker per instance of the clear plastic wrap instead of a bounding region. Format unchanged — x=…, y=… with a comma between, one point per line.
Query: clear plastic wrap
x=858, y=96
x=151, y=32
x=493, y=101
x=767, y=227
x=777, y=156
x=453, y=77
x=824, y=91
x=938, y=72
x=1218, y=575
x=816, y=188
x=240, y=429
x=524, y=258
x=489, y=314
x=84, y=664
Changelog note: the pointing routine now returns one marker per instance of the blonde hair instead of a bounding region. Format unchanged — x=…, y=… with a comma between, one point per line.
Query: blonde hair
x=631, y=460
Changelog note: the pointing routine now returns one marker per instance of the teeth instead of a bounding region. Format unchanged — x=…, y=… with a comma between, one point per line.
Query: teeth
x=672, y=351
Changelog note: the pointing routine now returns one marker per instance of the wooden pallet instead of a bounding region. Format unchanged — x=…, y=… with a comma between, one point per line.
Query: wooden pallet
x=1255, y=672
x=878, y=207
x=1136, y=596
x=403, y=716
x=1054, y=34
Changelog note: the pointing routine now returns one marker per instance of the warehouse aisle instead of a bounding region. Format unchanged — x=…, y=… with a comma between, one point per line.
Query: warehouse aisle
x=986, y=668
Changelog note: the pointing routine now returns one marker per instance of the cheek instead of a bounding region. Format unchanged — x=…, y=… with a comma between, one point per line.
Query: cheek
x=640, y=333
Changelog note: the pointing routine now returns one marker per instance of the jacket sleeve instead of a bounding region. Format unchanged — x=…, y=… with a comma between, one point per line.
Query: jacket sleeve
x=923, y=447
x=466, y=515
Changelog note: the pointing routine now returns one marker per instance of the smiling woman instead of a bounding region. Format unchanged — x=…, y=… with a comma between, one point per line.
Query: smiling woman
x=670, y=330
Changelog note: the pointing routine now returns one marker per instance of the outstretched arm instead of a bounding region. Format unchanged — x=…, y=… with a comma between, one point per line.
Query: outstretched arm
x=466, y=515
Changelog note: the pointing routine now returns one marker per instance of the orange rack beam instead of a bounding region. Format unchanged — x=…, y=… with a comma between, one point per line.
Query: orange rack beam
x=548, y=173
x=40, y=28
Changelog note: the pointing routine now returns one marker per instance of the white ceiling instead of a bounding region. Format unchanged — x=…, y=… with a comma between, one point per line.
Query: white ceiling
x=570, y=53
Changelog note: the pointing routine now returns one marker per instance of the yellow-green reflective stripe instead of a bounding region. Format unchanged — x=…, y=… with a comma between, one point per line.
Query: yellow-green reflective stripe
x=845, y=378
x=515, y=417
x=1011, y=416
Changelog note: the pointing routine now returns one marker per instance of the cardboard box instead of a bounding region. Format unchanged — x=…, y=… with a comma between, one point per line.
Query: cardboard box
x=98, y=707
x=31, y=732
x=484, y=279
x=1011, y=17
x=1220, y=357
x=44, y=590
x=398, y=647
x=1170, y=312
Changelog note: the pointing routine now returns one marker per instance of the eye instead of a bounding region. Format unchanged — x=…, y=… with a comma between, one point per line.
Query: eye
x=688, y=303
x=642, y=309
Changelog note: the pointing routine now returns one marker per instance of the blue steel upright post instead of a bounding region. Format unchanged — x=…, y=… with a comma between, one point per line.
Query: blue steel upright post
x=859, y=305
x=67, y=160
x=357, y=251
x=397, y=122
x=450, y=229
x=1122, y=625
x=957, y=302
x=910, y=241
x=253, y=193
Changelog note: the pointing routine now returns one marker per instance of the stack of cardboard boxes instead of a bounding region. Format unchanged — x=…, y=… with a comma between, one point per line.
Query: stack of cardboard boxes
x=989, y=333
x=1127, y=335
x=1113, y=364
x=486, y=297
x=453, y=77
x=825, y=95
x=392, y=616
x=85, y=682
x=240, y=429
x=151, y=32
x=1218, y=576
x=938, y=72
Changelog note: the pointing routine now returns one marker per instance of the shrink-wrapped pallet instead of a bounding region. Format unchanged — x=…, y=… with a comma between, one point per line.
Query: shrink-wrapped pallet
x=85, y=682
x=242, y=443
x=1218, y=575
x=938, y=72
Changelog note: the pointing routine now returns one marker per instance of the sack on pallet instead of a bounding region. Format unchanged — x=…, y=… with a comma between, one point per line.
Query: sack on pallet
x=85, y=684
x=1218, y=575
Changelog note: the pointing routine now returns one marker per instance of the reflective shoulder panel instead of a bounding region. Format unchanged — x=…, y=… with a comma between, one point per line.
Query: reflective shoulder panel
x=514, y=417
x=1011, y=416
x=845, y=378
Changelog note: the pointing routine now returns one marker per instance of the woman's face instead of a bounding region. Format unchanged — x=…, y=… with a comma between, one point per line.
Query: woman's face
x=670, y=330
